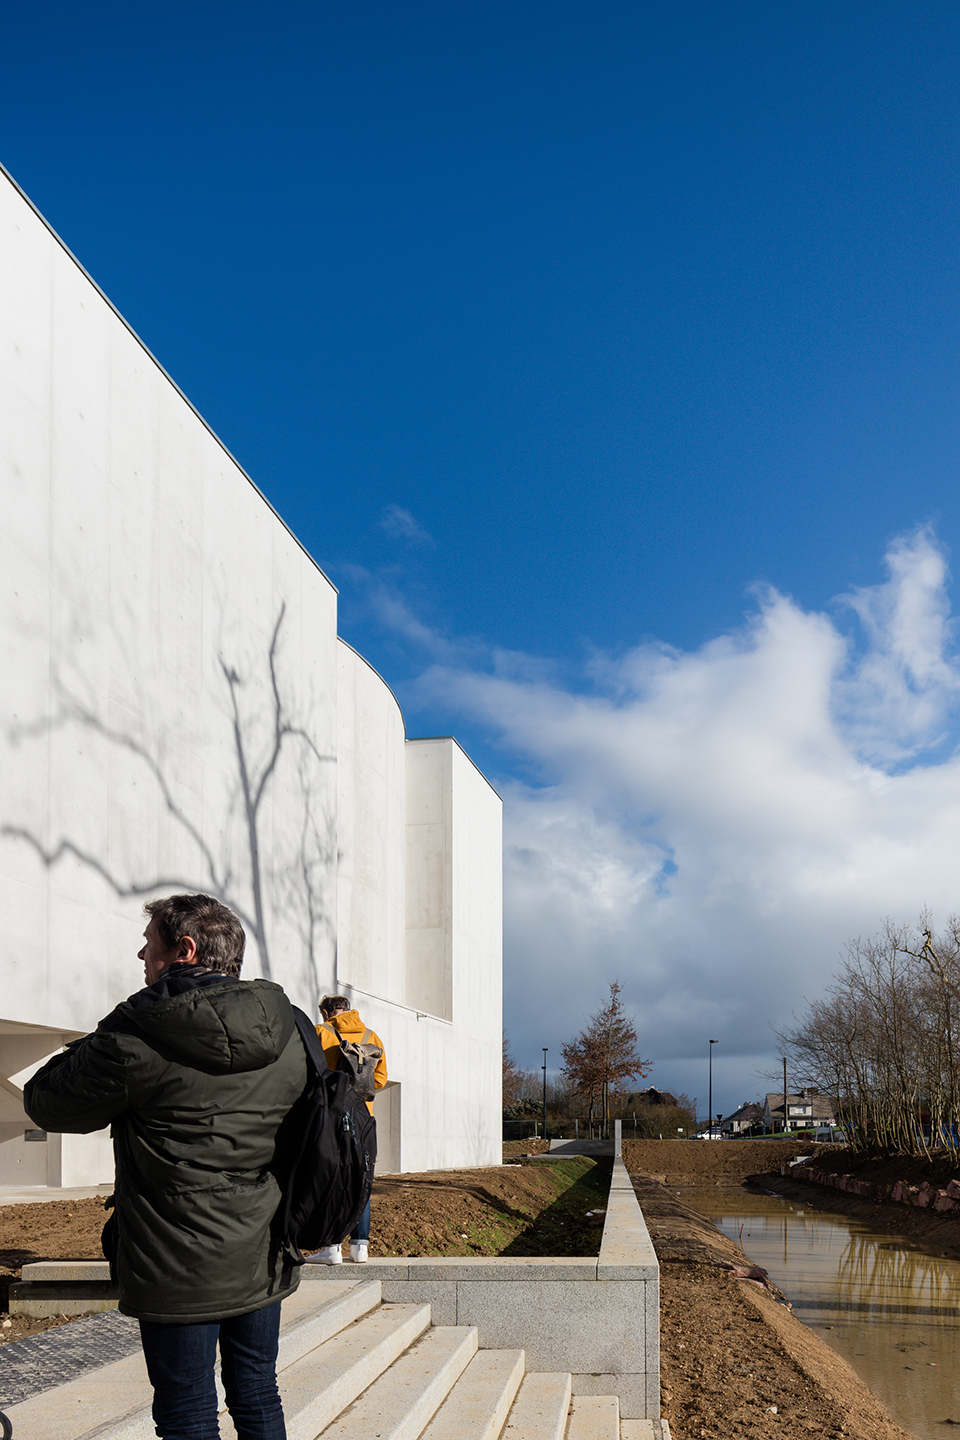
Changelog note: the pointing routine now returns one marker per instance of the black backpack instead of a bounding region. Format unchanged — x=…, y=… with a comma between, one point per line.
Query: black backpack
x=324, y=1159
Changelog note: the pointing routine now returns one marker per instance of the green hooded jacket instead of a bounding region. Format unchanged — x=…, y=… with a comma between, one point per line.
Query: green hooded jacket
x=194, y=1075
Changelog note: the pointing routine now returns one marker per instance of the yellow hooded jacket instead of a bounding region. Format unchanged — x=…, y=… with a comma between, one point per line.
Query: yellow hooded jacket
x=351, y=1027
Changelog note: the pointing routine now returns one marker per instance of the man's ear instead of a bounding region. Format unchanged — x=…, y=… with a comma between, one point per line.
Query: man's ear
x=187, y=950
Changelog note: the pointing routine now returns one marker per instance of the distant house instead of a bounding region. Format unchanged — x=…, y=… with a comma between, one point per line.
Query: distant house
x=652, y=1096
x=804, y=1111
x=749, y=1114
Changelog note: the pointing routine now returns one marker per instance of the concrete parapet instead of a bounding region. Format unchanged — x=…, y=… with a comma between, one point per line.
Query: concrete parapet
x=96, y=1271
x=626, y=1250
x=502, y=1269
x=596, y=1317
x=63, y=1287
x=42, y=1300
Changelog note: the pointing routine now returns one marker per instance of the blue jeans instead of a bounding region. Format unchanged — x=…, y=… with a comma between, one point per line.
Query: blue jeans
x=180, y=1361
x=361, y=1231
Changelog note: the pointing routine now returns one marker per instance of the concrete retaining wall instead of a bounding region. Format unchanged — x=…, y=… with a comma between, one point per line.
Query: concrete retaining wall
x=596, y=1316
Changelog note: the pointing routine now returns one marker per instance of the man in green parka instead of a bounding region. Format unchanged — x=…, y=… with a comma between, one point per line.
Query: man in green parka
x=194, y=1074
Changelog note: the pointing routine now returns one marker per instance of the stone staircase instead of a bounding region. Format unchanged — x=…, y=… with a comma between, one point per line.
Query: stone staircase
x=354, y=1368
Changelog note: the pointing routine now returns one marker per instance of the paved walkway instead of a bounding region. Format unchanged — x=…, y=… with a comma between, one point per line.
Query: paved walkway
x=38, y=1194
x=581, y=1147
x=42, y=1362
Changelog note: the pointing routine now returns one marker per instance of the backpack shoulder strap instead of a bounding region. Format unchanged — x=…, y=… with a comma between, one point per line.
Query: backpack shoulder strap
x=311, y=1041
x=366, y=1037
x=333, y=1063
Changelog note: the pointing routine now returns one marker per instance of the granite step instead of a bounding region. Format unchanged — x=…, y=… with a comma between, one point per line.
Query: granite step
x=350, y=1367
x=114, y=1396
x=479, y=1403
x=400, y=1405
x=594, y=1417
x=322, y=1383
x=541, y=1409
x=113, y=1400
x=644, y=1430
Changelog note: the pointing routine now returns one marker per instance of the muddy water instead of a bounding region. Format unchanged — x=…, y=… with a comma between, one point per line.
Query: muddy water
x=890, y=1309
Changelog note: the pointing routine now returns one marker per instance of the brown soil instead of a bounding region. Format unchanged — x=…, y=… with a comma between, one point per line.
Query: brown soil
x=710, y=1162
x=528, y=1207
x=937, y=1168
x=57, y=1230
x=514, y=1149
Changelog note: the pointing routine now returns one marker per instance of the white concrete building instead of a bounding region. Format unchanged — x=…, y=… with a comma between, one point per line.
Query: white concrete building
x=177, y=713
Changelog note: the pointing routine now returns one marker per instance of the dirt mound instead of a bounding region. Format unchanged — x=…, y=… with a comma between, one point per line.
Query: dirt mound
x=55, y=1230
x=710, y=1162
x=938, y=1168
x=52, y=1230
x=537, y=1207
x=513, y=1149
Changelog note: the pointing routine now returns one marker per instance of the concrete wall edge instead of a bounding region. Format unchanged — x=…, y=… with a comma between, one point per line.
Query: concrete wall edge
x=166, y=375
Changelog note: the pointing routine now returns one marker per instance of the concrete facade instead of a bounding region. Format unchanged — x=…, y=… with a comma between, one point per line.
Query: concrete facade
x=178, y=714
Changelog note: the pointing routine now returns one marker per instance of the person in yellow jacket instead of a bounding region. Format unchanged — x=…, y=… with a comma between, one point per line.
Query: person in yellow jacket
x=340, y=1022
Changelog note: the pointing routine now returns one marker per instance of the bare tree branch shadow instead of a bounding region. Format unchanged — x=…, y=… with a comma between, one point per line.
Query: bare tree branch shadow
x=295, y=883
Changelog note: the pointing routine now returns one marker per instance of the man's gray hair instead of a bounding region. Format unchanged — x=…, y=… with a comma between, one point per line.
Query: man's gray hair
x=215, y=930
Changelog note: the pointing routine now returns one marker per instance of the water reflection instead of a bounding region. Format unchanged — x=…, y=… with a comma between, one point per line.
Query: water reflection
x=897, y=1278
x=892, y=1310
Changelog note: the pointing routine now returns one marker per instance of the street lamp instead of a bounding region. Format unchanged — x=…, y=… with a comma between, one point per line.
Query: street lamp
x=545, y=1049
x=710, y=1100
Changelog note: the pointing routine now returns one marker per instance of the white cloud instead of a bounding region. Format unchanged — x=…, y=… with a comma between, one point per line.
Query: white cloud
x=712, y=827
x=379, y=597
x=401, y=525
x=903, y=693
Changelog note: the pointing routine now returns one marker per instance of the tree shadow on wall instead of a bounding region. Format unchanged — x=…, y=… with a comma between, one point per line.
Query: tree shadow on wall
x=247, y=875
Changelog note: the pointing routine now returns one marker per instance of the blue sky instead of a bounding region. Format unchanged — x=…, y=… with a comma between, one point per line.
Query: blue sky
x=607, y=359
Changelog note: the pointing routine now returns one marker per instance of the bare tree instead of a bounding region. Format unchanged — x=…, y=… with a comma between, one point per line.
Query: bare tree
x=512, y=1076
x=883, y=1040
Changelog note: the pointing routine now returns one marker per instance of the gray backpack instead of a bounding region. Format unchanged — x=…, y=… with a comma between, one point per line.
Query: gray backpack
x=358, y=1060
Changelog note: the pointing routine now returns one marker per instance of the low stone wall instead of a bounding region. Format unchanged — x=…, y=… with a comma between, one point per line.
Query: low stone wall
x=62, y=1287
x=597, y=1316
x=922, y=1197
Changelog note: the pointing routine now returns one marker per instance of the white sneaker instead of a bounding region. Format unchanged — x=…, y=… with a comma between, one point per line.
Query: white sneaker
x=328, y=1255
x=358, y=1252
